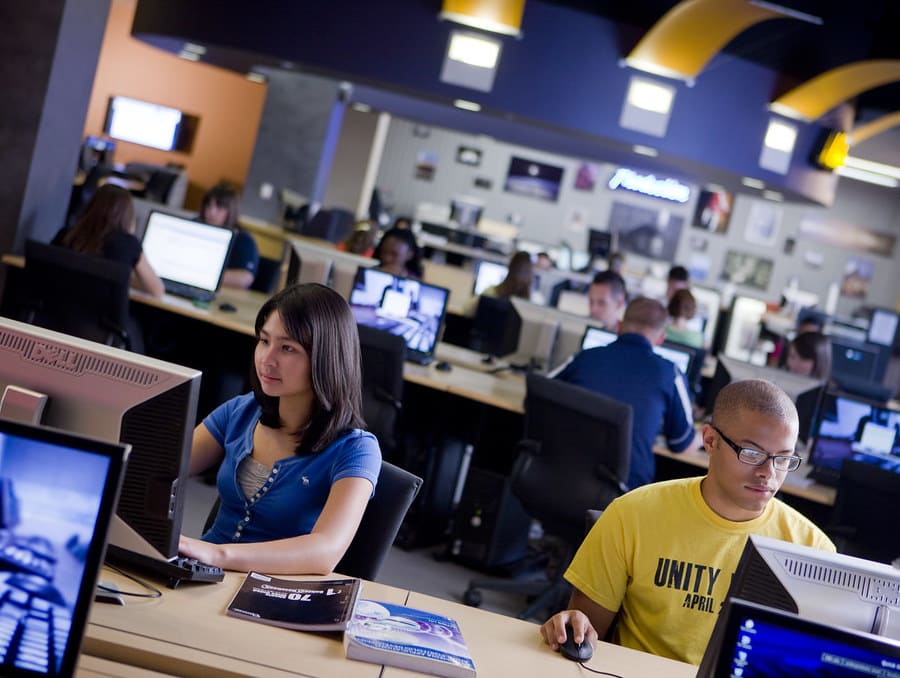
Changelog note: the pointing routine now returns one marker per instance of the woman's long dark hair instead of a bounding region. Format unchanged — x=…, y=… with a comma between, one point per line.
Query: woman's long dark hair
x=224, y=195
x=319, y=319
x=519, y=279
x=111, y=209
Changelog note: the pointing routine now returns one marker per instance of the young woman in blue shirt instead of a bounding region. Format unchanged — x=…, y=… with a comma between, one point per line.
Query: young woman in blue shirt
x=297, y=469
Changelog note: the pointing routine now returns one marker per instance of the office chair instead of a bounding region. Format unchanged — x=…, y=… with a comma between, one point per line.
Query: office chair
x=394, y=494
x=271, y=273
x=74, y=293
x=575, y=457
x=383, y=354
x=863, y=522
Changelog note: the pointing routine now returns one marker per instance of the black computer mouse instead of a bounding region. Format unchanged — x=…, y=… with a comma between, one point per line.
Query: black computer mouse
x=443, y=366
x=572, y=650
x=227, y=308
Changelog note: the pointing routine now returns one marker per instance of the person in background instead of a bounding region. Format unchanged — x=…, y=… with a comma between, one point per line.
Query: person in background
x=678, y=279
x=695, y=524
x=297, y=467
x=616, y=262
x=809, y=354
x=519, y=282
x=778, y=356
x=361, y=240
x=402, y=223
x=399, y=253
x=629, y=371
x=682, y=308
x=106, y=229
x=606, y=298
x=543, y=262
x=221, y=207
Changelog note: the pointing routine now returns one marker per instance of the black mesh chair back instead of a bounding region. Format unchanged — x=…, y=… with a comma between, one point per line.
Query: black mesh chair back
x=383, y=354
x=394, y=494
x=270, y=275
x=74, y=293
x=864, y=519
x=575, y=455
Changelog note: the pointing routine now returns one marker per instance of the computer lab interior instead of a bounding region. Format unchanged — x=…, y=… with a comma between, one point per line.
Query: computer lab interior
x=778, y=194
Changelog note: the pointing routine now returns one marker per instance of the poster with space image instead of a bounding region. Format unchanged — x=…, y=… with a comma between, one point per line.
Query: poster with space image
x=651, y=233
x=533, y=179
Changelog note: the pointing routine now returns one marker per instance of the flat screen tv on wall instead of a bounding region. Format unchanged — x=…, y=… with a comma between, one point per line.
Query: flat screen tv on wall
x=149, y=124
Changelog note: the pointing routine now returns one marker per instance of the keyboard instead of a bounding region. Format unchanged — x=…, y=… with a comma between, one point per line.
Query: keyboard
x=174, y=571
x=33, y=632
x=33, y=555
x=187, y=291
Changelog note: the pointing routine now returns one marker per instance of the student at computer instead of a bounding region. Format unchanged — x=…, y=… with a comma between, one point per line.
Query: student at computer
x=662, y=556
x=677, y=279
x=106, y=229
x=607, y=298
x=629, y=371
x=519, y=282
x=361, y=239
x=809, y=354
x=221, y=207
x=399, y=253
x=682, y=309
x=297, y=468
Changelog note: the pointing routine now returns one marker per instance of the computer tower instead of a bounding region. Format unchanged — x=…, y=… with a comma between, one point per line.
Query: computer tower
x=490, y=527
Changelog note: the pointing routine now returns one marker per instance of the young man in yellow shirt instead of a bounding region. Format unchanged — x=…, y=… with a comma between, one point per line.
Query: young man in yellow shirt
x=662, y=556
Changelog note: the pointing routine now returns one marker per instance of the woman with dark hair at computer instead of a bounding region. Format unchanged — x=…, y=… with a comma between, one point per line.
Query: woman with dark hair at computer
x=297, y=468
x=809, y=354
x=220, y=207
x=519, y=282
x=106, y=229
x=682, y=309
x=399, y=253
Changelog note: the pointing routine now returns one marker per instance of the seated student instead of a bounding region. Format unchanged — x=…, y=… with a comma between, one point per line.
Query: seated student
x=628, y=370
x=809, y=354
x=682, y=308
x=678, y=279
x=297, y=470
x=519, y=282
x=399, y=253
x=221, y=207
x=607, y=298
x=106, y=229
x=544, y=262
x=361, y=240
x=696, y=527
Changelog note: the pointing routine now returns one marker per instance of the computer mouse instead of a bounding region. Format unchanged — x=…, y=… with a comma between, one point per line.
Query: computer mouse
x=227, y=308
x=572, y=650
x=443, y=366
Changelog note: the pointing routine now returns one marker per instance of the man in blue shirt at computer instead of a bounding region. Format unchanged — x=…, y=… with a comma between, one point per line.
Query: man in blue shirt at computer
x=628, y=370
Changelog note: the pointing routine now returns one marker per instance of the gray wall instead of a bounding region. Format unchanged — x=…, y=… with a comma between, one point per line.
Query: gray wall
x=351, y=157
x=857, y=205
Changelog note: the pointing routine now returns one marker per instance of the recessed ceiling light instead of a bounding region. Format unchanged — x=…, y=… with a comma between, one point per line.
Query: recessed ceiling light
x=362, y=108
x=649, y=151
x=467, y=105
x=750, y=182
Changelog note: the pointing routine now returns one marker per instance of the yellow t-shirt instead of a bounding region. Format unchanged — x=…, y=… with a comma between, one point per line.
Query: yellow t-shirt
x=663, y=557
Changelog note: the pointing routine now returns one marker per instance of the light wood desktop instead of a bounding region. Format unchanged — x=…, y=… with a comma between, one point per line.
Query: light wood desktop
x=97, y=667
x=186, y=632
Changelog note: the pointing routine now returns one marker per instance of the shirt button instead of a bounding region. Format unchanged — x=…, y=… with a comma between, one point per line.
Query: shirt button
x=275, y=470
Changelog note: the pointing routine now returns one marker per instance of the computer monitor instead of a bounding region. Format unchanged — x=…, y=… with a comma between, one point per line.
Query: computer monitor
x=743, y=328
x=676, y=353
x=599, y=243
x=59, y=493
x=114, y=395
x=883, y=327
x=488, y=274
x=409, y=308
x=852, y=428
x=755, y=640
x=856, y=365
x=465, y=212
x=96, y=151
x=495, y=327
x=827, y=587
x=189, y=256
x=595, y=336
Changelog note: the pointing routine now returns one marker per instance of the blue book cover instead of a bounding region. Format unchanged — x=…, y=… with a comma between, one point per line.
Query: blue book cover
x=407, y=638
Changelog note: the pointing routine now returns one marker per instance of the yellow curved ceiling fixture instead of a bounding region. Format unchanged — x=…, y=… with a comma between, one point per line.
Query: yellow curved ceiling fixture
x=815, y=97
x=497, y=16
x=870, y=129
x=684, y=40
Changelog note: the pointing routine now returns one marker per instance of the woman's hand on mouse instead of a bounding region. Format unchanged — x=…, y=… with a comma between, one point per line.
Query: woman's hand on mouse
x=553, y=630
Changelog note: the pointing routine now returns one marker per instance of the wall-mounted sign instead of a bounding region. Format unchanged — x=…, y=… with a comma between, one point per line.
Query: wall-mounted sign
x=648, y=184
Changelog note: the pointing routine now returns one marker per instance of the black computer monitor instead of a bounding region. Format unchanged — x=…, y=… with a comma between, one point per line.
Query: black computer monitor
x=599, y=243
x=849, y=427
x=596, y=336
x=859, y=367
x=495, y=328
x=465, y=213
x=113, y=395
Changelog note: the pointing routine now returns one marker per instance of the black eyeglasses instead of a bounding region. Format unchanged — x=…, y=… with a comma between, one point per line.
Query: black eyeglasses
x=747, y=455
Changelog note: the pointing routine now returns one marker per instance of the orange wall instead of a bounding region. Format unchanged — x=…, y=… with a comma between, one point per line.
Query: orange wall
x=229, y=106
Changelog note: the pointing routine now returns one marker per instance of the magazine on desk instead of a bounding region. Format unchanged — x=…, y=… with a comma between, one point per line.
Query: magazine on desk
x=407, y=638
x=303, y=605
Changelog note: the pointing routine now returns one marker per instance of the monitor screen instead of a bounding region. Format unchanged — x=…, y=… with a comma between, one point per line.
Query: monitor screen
x=54, y=531
x=188, y=255
x=148, y=124
x=118, y=396
x=755, y=641
x=680, y=355
x=409, y=308
x=496, y=327
x=489, y=274
x=599, y=243
x=465, y=213
x=883, y=327
x=594, y=337
x=853, y=428
x=743, y=328
x=855, y=360
x=827, y=587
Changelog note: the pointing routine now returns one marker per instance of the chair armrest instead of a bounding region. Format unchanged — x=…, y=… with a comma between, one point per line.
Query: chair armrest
x=605, y=474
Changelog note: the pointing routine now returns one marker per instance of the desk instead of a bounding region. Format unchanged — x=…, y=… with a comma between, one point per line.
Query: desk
x=187, y=633
x=95, y=667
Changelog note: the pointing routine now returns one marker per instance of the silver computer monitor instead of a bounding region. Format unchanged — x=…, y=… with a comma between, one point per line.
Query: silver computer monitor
x=489, y=274
x=115, y=395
